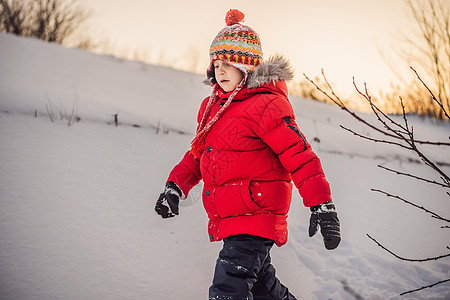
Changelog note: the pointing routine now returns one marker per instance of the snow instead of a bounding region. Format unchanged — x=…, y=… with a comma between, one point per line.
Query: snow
x=77, y=216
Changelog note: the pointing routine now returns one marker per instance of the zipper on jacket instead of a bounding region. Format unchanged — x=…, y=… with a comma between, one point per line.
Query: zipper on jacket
x=287, y=120
x=300, y=134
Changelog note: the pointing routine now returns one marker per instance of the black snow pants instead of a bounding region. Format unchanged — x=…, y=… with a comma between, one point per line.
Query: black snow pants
x=244, y=271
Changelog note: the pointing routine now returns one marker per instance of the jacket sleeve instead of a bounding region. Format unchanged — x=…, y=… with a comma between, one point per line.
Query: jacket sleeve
x=186, y=174
x=277, y=128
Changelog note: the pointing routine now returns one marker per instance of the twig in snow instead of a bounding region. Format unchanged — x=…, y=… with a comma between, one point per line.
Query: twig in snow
x=351, y=291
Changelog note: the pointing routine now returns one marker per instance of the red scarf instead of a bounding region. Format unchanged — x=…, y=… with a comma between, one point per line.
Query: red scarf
x=197, y=144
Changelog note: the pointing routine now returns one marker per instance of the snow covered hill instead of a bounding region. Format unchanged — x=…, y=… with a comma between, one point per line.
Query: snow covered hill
x=76, y=202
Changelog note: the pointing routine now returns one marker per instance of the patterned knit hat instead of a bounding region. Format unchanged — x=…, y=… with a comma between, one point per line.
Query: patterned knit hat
x=237, y=44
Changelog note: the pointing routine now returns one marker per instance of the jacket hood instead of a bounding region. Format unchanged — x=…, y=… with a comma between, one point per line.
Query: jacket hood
x=276, y=68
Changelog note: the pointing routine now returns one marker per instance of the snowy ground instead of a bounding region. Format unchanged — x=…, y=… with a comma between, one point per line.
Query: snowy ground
x=76, y=202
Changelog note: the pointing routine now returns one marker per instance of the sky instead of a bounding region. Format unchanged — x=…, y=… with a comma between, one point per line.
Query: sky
x=345, y=38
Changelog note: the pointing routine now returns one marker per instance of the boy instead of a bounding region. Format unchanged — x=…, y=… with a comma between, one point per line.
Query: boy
x=247, y=151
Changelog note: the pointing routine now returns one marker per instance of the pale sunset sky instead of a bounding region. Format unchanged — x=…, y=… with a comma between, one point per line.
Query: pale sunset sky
x=343, y=37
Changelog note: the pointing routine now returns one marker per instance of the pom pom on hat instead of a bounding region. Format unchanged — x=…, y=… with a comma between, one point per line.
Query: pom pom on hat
x=233, y=16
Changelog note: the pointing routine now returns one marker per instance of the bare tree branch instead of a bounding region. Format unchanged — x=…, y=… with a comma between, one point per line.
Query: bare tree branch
x=431, y=93
x=405, y=134
x=335, y=99
x=374, y=139
x=415, y=177
x=424, y=287
x=48, y=20
x=406, y=259
x=428, y=48
x=400, y=134
x=434, y=215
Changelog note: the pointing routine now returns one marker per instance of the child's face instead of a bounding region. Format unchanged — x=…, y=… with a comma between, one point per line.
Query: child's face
x=227, y=76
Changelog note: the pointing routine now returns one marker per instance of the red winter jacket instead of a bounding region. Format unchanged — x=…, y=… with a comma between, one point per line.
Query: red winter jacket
x=252, y=153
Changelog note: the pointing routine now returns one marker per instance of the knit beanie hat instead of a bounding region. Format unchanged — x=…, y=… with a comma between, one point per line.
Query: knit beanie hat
x=236, y=44
x=239, y=46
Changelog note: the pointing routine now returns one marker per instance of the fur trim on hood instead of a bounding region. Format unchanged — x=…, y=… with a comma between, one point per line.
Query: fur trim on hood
x=276, y=68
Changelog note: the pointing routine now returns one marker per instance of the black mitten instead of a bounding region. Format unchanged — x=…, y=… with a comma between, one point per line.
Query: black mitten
x=325, y=216
x=167, y=203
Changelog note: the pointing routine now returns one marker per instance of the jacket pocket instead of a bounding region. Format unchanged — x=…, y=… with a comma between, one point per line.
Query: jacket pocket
x=235, y=199
x=272, y=196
